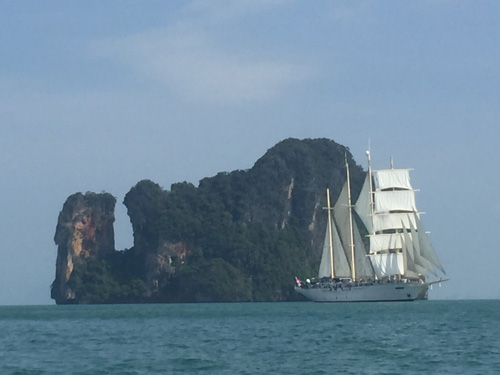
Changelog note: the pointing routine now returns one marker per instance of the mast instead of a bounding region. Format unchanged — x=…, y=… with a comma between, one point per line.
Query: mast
x=353, y=265
x=372, y=203
x=328, y=207
x=371, y=186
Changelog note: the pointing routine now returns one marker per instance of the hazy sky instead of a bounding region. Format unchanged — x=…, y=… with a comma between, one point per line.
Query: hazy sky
x=98, y=95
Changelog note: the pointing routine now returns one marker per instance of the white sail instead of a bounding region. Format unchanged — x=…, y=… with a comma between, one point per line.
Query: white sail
x=325, y=269
x=412, y=269
x=364, y=267
x=388, y=264
x=384, y=242
x=392, y=179
x=426, y=248
x=363, y=203
x=424, y=264
x=341, y=266
x=400, y=261
x=341, y=215
x=390, y=221
x=397, y=200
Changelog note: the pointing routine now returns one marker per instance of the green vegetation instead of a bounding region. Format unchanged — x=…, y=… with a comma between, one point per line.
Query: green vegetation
x=93, y=281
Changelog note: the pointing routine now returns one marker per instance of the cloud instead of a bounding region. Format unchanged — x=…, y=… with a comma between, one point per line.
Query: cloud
x=190, y=62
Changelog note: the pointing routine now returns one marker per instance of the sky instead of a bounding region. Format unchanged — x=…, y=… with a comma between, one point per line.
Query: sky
x=98, y=95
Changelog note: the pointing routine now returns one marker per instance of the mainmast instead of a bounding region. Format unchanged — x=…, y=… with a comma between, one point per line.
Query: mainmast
x=328, y=207
x=353, y=265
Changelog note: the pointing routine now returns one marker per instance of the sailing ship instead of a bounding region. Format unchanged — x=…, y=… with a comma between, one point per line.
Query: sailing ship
x=376, y=249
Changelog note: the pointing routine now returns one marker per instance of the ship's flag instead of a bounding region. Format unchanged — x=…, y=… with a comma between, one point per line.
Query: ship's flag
x=297, y=280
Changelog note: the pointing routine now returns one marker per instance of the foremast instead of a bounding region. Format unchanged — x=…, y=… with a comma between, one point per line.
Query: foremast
x=399, y=247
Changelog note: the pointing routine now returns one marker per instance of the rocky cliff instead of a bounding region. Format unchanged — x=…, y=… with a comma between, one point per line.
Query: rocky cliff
x=84, y=229
x=237, y=236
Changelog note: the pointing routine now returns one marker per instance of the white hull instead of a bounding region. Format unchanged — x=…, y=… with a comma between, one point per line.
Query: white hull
x=365, y=293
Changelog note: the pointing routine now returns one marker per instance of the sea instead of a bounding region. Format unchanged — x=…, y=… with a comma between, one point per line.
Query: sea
x=421, y=337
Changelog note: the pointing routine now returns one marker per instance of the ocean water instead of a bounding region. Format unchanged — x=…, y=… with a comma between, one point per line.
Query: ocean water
x=421, y=337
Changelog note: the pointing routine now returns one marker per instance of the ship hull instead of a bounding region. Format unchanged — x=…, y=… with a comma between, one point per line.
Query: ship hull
x=364, y=293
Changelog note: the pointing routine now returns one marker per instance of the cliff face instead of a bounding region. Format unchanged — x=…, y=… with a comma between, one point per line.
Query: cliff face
x=84, y=230
x=238, y=236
